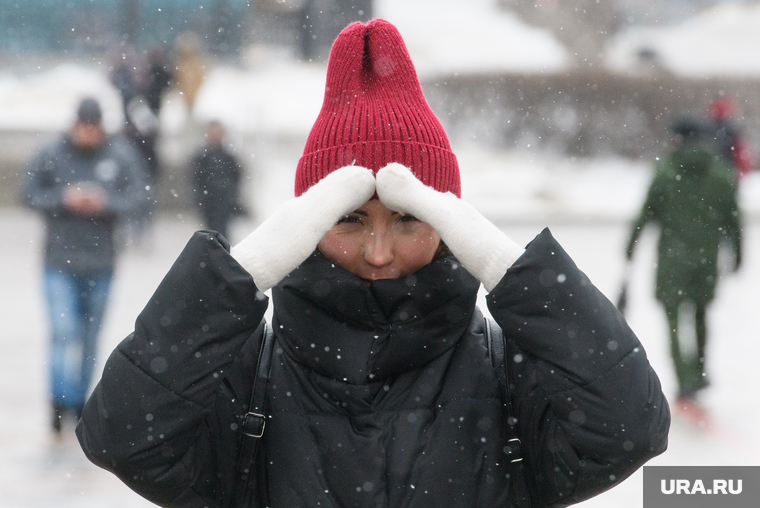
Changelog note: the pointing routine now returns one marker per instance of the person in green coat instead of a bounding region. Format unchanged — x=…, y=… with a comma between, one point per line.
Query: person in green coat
x=692, y=200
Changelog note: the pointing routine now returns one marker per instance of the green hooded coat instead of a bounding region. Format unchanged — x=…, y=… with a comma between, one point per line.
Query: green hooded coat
x=692, y=199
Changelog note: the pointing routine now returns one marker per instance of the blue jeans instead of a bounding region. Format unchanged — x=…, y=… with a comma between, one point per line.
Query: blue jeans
x=75, y=304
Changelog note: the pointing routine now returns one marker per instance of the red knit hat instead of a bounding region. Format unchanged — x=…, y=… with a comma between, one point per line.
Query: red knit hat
x=721, y=109
x=374, y=113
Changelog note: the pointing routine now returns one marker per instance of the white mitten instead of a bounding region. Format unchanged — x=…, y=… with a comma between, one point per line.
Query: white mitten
x=484, y=251
x=285, y=239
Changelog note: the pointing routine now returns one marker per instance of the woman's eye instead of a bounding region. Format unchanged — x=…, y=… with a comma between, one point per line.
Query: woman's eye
x=409, y=218
x=349, y=219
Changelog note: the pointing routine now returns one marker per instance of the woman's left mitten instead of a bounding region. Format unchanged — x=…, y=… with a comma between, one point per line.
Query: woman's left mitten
x=480, y=246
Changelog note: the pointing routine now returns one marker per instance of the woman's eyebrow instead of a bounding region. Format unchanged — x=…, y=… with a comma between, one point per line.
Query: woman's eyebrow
x=361, y=212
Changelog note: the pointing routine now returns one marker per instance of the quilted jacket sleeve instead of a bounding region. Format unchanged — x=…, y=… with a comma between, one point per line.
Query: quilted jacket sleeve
x=148, y=420
x=590, y=408
x=39, y=189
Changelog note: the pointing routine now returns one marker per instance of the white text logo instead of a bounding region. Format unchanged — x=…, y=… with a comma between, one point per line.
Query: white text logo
x=698, y=487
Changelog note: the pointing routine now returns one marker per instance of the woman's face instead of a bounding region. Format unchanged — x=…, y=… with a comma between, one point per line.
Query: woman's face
x=375, y=242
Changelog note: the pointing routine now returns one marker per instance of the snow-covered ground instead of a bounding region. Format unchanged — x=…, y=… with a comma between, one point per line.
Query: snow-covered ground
x=587, y=204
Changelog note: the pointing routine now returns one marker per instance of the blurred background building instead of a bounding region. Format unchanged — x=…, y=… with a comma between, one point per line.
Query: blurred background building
x=309, y=25
x=83, y=26
x=578, y=78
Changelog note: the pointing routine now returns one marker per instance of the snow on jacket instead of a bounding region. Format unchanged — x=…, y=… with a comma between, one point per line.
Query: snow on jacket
x=378, y=396
x=75, y=242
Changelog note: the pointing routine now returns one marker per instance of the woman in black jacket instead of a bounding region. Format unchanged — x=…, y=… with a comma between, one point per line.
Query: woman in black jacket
x=381, y=390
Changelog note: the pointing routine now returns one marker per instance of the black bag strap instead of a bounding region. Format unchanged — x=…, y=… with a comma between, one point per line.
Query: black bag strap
x=254, y=421
x=497, y=350
x=497, y=347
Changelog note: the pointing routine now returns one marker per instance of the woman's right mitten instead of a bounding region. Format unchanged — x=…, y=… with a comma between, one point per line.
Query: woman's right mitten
x=287, y=237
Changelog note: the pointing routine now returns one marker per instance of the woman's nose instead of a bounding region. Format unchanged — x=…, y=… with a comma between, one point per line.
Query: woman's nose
x=378, y=249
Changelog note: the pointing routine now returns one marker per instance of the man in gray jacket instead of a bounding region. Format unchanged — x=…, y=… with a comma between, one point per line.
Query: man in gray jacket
x=82, y=183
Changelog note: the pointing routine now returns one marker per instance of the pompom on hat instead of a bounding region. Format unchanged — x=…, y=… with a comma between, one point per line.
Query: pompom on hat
x=374, y=113
x=721, y=109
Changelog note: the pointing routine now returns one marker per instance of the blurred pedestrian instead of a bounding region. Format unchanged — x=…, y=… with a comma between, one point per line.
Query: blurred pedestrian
x=692, y=201
x=216, y=172
x=378, y=382
x=140, y=93
x=141, y=84
x=82, y=183
x=158, y=78
x=189, y=67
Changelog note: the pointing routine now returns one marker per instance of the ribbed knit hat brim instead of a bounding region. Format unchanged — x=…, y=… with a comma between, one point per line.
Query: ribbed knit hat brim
x=374, y=113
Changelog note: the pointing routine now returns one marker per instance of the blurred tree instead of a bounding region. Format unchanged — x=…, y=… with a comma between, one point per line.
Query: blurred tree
x=221, y=27
x=308, y=26
x=90, y=26
x=130, y=20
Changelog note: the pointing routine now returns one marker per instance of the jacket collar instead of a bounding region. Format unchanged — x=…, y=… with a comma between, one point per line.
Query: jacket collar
x=327, y=318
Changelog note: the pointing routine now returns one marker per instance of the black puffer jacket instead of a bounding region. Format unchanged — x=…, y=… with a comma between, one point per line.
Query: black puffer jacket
x=380, y=396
